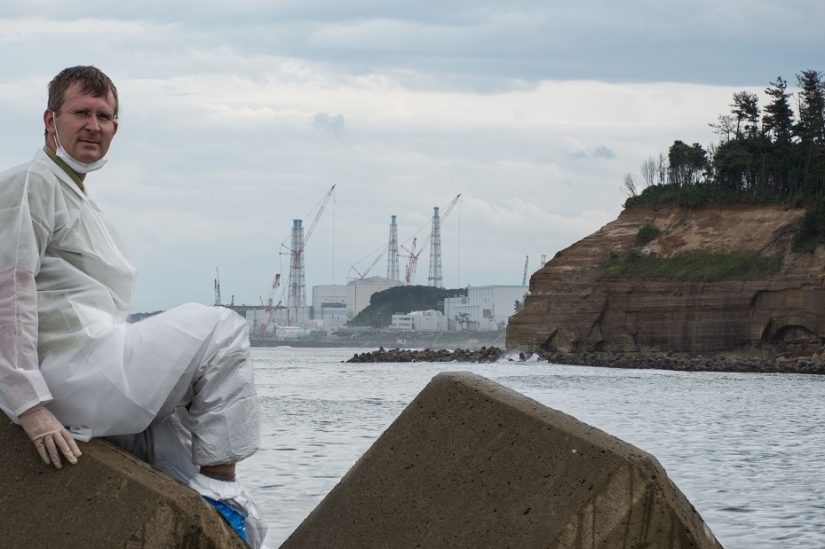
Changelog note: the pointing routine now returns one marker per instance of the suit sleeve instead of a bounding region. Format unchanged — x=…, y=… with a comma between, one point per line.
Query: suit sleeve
x=26, y=222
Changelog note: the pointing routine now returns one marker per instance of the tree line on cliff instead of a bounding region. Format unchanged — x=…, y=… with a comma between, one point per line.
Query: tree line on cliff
x=770, y=153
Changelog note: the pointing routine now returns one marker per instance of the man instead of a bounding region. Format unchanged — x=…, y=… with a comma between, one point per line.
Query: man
x=175, y=389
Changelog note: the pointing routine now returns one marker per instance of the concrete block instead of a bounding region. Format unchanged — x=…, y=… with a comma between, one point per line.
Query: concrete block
x=110, y=499
x=470, y=463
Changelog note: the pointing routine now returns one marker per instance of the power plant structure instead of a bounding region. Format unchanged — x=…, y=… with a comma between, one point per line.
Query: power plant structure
x=392, y=260
x=436, y=279
x=297, y=296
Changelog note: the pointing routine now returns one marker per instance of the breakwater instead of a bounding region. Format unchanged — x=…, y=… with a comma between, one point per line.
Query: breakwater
x=636, y=361
x=484, y=354
x=686, y=363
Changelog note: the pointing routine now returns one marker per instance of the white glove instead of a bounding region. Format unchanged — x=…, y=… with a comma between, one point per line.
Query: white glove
x=48, y=435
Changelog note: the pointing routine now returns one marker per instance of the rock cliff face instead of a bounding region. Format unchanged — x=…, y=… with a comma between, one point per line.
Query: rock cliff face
x=573, y=306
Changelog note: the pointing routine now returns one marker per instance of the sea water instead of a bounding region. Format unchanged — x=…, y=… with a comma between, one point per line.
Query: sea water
x=747, y=450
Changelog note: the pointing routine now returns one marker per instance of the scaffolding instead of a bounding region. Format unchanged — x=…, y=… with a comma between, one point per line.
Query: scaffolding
x=436, y=279
x=392, y=260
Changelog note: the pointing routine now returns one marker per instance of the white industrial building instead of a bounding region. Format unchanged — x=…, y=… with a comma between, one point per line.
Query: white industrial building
x=485, y=308
x=360, y=291
x=329, y=306
x=420, y=321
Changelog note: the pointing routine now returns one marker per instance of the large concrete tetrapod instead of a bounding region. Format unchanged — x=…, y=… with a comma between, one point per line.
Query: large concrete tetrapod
x=472, y=464
x=109, y=500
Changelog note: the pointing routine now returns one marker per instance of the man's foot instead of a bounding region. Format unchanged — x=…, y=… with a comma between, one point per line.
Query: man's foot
x=235, y=504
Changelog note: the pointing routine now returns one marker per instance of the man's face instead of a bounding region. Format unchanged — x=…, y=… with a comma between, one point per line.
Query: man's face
x=85, y=124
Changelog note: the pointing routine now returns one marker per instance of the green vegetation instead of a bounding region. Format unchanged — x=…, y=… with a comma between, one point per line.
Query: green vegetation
x=691, y=266
x=811, y=230
x=403, y=300
x=647, y=232
x=766, y=154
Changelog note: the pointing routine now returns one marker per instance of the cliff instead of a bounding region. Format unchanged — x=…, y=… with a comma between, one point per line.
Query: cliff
x=577, y=305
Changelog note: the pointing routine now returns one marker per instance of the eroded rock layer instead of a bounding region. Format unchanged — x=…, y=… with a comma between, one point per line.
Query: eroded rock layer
x=574, y=307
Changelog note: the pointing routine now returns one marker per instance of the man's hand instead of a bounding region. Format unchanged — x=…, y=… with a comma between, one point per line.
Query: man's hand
x=48, y=435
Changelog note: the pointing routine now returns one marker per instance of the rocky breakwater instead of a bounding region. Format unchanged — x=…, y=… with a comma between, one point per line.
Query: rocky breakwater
x=579, y=303
x=485, y=354
x=683, y=363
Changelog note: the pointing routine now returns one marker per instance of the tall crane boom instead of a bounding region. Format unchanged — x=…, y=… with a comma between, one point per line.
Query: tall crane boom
x=409, y=275
x=269, y=310
x=296, y=283
x=524, y=278
x=323, y=204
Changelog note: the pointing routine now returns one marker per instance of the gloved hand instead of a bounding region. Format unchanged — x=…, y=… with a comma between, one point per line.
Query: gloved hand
x=48, y=435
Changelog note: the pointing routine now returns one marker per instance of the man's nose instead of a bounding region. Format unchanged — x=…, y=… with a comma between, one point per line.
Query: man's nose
x=93, y=124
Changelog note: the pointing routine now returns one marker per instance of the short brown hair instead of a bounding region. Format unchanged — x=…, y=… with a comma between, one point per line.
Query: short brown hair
x=91, y=80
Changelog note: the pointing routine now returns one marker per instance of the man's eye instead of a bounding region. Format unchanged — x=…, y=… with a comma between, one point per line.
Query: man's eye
x=80, y=113
x=104, y=117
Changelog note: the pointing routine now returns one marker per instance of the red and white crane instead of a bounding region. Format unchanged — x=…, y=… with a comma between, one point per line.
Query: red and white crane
x=296, y=283
x=269, y=310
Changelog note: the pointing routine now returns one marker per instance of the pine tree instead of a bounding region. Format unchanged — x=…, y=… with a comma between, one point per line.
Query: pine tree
x=745, y=108
x=811, y=125
x=778, y=121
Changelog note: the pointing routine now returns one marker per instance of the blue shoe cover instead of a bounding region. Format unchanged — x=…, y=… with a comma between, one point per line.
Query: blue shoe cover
x=236, y=520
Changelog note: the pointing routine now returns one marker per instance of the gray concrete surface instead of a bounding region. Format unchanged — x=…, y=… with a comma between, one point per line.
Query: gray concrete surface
x=108, y=500
x=472, y=464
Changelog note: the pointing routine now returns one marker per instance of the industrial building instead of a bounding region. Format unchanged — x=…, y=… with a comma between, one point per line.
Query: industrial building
x=329, y=306
x=360, y=291
x=417, y=321
x=485, y=308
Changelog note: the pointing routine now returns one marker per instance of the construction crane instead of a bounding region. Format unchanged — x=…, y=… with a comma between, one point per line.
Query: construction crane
x=217, y=288
x=524, y=278
x=269, y=310
x=392, y=261
x=413, y=255
x=411, y=264
x=383, y=249
x=296, y=282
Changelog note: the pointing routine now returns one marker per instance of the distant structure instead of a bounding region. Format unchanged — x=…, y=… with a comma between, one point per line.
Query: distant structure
x=484, y=308
x=297, y=296
x=217, y=288
x=543, y=259
x=392, y=260
x=361, y=290
x=526, y=264
x=435, y=280
x=296, y=289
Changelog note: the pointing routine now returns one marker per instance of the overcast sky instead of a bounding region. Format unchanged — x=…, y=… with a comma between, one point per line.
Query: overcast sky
x=237, y=117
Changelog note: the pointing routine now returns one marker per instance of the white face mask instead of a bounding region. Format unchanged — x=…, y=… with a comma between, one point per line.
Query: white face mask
x=73, y=163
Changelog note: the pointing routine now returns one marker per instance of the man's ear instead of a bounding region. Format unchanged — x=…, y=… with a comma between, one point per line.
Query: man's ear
x=48, y=120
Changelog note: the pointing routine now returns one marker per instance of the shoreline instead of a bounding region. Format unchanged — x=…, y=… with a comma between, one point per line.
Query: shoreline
x=637, y=361
x=686, y=363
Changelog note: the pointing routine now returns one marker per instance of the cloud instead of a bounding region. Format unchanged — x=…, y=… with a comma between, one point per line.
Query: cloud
x=232, y=120
x=331, y=124
x=600, y=151
x=603, y=152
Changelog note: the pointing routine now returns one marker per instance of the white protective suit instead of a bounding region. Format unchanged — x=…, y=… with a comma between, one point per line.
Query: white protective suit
x=66, y=288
